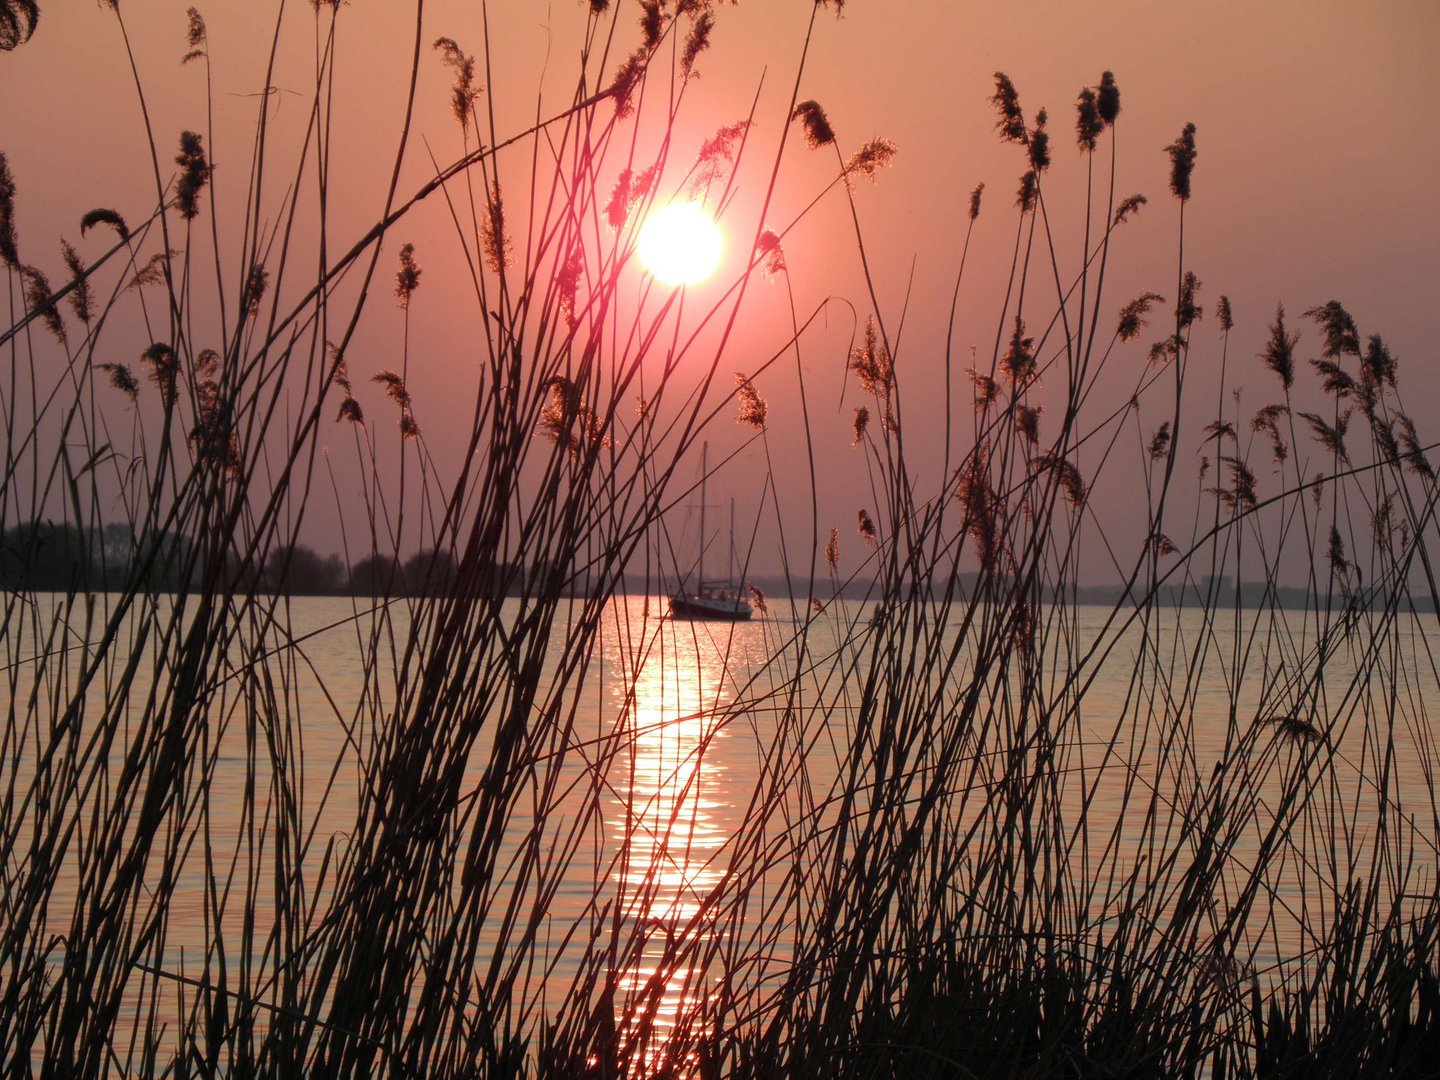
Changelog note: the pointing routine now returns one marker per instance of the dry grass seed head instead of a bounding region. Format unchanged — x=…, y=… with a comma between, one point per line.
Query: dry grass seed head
x=195, y=28
x=1107, y=98
x=1341, y=337
x=1182, y=162
x=9, y=251
x=818, y=131
x=1334, y=379
x=194, y=172
x=1088, y=124
x=1266, y=421
x=17, y=22
x=1011, y=122
x=255, y=285
x=1165, y=350
x=866, y=527
x=717, y=154
x=1027, y=422
x=626, y=81
x=164, y=369
x=753, y=408
x=1279, y=351
x=1160, y=442
x=1220, y=429
x=1128, y=205
x=463, y=93
x=1026, y=192
x=407, y=278
x=122, y=379
x=1040, y=143
x=39, y=300
x=770, y=253
x=875, y=155
x=1132, y=315
x=1414, y=458
x=1187, y=311
x=696, y=42
x=652, y=23
x=1377, y=363
x=975, y=194
x=757, y=597
x=498, y=254
x=1018, y=363
x=870, y=360
x=858, y=425
x=832, y=549
x=568, y=282
x=394, y=387
x=1222, y=312
x=1332, y=438
x=82, y=297
x=104, y=216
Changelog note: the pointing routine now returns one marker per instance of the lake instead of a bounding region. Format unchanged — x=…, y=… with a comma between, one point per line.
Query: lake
x=680, y=804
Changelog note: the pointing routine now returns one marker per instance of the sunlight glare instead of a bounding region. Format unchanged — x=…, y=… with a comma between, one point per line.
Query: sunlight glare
x=680, y=244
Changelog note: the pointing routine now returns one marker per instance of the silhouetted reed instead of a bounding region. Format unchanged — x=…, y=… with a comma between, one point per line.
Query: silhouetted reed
x=1003, y=823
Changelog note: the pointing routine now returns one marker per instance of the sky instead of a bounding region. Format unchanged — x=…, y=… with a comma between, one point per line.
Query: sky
x=1316, y=177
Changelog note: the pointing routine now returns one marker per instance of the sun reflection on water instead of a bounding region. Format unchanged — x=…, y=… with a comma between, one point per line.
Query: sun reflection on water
x=677, y=820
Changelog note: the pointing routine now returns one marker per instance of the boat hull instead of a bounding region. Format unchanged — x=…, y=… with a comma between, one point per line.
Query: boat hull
x=730, y=609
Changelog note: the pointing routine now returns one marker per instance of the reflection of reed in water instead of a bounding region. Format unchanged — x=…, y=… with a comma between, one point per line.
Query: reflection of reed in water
x=672, y=837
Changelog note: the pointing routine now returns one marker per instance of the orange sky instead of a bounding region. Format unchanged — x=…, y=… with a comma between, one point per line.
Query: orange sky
x=1316, y=179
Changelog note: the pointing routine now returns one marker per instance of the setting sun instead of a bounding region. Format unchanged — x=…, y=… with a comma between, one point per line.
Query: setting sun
x=680, y=244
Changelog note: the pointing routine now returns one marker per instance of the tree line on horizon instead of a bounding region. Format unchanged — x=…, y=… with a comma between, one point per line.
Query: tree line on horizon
x=47, y=556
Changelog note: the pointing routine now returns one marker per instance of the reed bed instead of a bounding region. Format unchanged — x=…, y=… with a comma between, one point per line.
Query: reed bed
x=965, y=853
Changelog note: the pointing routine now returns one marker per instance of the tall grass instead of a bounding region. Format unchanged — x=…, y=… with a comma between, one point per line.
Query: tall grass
x=965, y=851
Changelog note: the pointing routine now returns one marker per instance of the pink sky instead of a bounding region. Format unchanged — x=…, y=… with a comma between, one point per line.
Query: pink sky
x=1316, y=179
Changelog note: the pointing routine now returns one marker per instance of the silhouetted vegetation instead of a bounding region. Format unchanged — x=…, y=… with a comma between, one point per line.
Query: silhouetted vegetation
x=988, y=833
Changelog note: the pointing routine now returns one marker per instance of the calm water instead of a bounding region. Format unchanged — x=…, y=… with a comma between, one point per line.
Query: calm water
x=677, y=727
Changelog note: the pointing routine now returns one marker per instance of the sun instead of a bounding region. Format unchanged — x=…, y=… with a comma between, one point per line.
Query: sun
x=680, y=244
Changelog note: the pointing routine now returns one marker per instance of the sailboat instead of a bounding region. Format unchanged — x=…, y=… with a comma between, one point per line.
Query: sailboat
x=710, y=600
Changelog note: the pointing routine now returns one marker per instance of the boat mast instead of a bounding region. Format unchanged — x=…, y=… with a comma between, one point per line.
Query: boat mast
x=730, y=552
x=704, y=468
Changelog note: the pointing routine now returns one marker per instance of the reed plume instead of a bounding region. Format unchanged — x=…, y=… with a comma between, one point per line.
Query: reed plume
x=975, y=194
x=1132, y=315
x=1039, y=144
x=39, y=300
x=696, y=42
x=870, y=360
x=1018, y=363
x=770, y=253
x=1088, y=124
x=407, y=278
x=464, y=92
x=1182, y=162
x=1279, y=352
x=1011, y=122
x=858, y=424
x=1128, y=205
x=753, y=407
x=866, y=527
x=194, y=172
x=815, y=124
x=82, y=297
x=875, y=155
x=9, y=252
x=122, y=379
x=1338, y=328
x=1107, y=99
x=105, y=216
